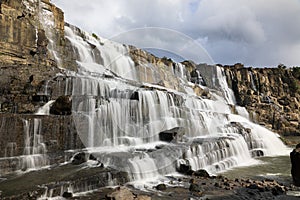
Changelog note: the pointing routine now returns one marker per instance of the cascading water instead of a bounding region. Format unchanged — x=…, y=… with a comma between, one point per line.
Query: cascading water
x=127, y=124
x=121, y=121
x=34, y=155
x=253, y=85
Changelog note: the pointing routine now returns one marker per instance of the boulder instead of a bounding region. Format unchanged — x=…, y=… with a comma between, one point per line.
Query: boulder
x=295, y=160
x=161, y=186
x=201, y=173
x=185, y=169
x=79, y=158
x=67, y=194
x=173, y=134
x=62, y=106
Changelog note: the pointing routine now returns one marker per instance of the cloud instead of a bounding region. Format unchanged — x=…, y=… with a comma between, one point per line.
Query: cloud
x=256, y=32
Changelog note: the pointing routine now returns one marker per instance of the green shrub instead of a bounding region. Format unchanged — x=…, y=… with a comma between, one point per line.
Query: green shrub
x=95, y=36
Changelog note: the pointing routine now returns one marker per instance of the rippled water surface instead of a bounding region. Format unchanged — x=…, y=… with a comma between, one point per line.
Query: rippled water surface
x=278, y=168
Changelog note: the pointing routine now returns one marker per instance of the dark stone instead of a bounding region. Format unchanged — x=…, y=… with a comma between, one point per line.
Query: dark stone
x=185, y=169
x=169, y=135
x=161, y=187
x=40, y=98
x=257, y=153
x=31, y=78
x=295, y=160
x=92, y=157
x=201, y=173
x=62, y=106
x=32, y=52
x=134, y=95
x=194, y=187
x=67, y=194
x=277, y=190
x=253, y=186
x=79, y=158
x=91, y=45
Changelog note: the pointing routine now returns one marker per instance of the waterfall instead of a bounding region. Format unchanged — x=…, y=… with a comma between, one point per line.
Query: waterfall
x=46, y=18
x=34, y=155
x=179, y=70
x=253, y=86
x=222, y=84
x=97, y=55
x=121, y=121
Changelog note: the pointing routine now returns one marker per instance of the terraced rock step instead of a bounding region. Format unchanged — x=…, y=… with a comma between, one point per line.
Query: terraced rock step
x=55, y=181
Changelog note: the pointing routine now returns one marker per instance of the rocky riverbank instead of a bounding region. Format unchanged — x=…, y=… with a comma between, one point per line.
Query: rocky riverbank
x=184, y=187
x=195, y=187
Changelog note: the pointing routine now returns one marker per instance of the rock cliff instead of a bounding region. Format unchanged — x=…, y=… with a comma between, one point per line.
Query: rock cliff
x=28, y=79
x=26, y=63
x=271, y=95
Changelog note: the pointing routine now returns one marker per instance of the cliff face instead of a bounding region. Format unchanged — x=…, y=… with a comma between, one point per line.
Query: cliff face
x=28, y=79
x=271, y=95
x=26, y=63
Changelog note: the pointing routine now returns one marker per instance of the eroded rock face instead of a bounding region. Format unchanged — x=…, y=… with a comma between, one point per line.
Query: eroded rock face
x=62, y=106
x=58, y=134
x=271, y=96
x=26, y=63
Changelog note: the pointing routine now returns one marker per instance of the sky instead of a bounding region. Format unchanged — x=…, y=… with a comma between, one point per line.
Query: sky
x=257, y=33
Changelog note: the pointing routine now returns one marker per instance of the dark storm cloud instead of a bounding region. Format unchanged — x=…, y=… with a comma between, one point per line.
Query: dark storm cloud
x=256, y=32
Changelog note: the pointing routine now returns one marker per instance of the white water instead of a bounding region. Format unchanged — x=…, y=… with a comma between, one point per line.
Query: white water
x=252, y=81
x=34, y=155
x=99, y=55
x=119, y=118
x=222, y=83
x=45, y=109
x=116, y=120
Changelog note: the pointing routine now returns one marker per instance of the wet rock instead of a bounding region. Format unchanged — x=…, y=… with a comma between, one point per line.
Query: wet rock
x=201, y=173
x=257, y=153
x=92, y=157
x=67, y=195
x=121, y=193
x=134, y=96
x=185, y=169
x=194, y=187
x=277, y=190
x=161, y=187
x=295, y=160
x=79, y=158
x=62, y=106
x=170, y=135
